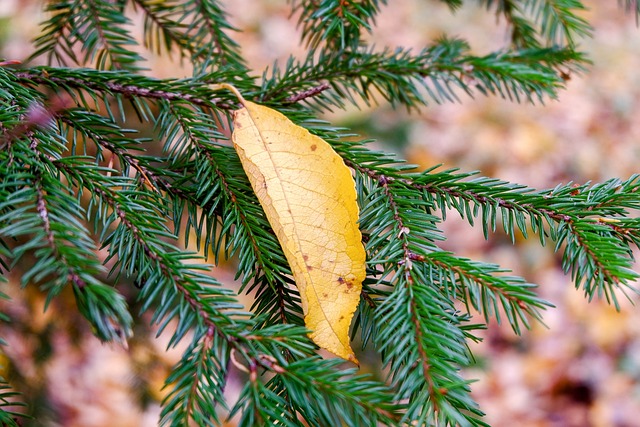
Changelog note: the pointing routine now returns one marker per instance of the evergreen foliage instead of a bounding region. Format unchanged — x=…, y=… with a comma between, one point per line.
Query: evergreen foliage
x=75, y=178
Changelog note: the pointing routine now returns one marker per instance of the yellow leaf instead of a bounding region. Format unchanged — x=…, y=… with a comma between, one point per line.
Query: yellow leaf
x=309, y=197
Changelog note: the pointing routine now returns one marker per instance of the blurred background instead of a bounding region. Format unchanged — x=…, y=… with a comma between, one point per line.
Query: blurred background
x=581, y=369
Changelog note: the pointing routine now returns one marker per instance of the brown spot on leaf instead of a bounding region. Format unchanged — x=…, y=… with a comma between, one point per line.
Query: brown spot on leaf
x=309, y=268
x=313, y=147
x=325, y=295
x=342, y=281
x=305, y=257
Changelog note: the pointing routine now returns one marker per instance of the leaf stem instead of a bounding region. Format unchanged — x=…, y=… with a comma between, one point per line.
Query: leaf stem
x=230, y=88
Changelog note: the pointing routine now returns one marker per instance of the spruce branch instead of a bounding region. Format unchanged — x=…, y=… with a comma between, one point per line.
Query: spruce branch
x=485, y=288
x=73, y=158
x=207, y=24
x=453, y=4
x=234, y=218
x=324, y=395
x=433, y=349
x=97, y=27
x=336, y=396
x=559, y=21
x=8, y=415
x=114, y=83
x=336, y=24
x=163, y=28
x=435, y=74
x=196, y=397
x=546, y=22
x=523, y=31
x=409, y=232
x=595, y=255
x=10, y=400
x=38, y=208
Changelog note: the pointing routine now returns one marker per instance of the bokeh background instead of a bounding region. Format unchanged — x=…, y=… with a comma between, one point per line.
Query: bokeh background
x=581, y=369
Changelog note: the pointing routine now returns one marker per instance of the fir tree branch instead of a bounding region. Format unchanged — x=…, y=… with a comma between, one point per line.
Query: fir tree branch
x=408, y=307
x=425, y=373
x=163, y=28
x=10, y=400
x=340, y=396
x=523, y=33
x=65, y=254
x=408, y=231
x=107, y=136
x=178, y=291
x=572, y=222
x=196, y=396
x=207, y=26
x=112, y=83
x=333, y=396
x=440, y=71
x=107, y=45
x=55, y=40
x=98, y=25
x=336, y=24
x=36, y=207
x=8, y=415
x=558, y=21
x=485, y=287
x=561, y=209
x=242, y=225
x=453, y=4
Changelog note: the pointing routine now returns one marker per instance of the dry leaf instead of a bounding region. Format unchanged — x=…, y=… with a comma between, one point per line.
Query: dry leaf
x=309, y=197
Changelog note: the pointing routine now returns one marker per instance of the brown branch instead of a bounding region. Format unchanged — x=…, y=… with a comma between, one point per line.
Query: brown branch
x=123, y=89
x=45, y=78
x=367, y=297
x=297, y=97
